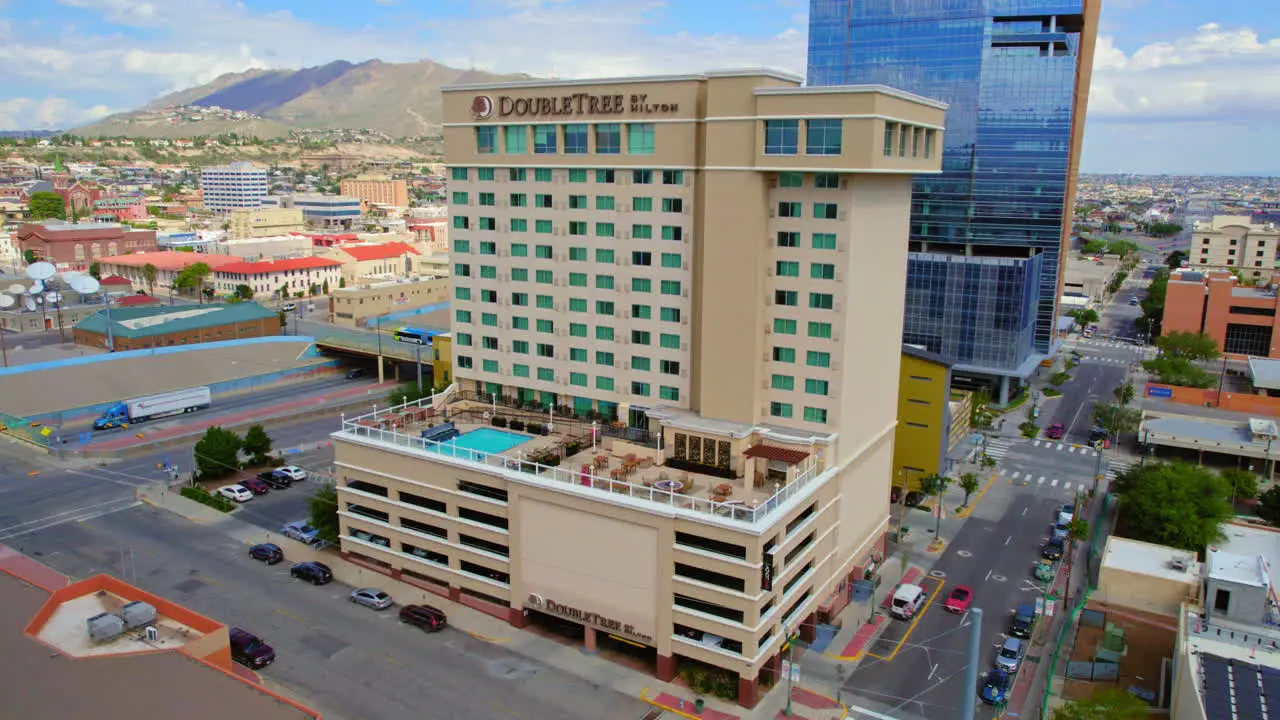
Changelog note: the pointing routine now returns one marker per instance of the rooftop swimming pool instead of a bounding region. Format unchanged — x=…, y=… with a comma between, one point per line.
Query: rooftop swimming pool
x=486, y=441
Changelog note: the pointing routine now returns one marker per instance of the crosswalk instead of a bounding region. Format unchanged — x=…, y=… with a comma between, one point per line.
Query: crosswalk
x=1064, y=447
x=1115, y=467
x=1038, y=481
x=1104, y=359
x=997, y=448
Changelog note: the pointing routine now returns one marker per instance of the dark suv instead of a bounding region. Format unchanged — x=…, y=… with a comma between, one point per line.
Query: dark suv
x=1052, y=550
x=313, y=572
x=249, y=650
x=424, y=617
x=269, y=553
x=1024, y=620
x=273, y=480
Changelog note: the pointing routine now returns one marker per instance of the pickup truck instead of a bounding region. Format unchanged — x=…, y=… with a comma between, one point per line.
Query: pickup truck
x=147, y=407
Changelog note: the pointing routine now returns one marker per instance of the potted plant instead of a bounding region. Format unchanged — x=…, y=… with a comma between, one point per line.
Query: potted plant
x=517, y=425
x=499, y=421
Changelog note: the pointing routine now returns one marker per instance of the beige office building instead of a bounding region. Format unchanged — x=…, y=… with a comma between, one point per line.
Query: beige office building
x=376, y=190
x=248, y=223
x=358, y=305
x=678, y=308
x=1234, y=242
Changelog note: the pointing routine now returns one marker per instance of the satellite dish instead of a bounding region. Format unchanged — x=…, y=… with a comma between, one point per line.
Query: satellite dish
x=17, y=289
x=36, y=288
x=53, y=297
x=84, y=284
x=7, y=301
x=30, y=302
x=41, y=271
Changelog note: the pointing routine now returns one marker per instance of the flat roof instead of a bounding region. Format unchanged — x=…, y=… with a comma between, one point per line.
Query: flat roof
x=1145, y=558
x=1265, y=373
x=1237, y=568
x=1202, y=430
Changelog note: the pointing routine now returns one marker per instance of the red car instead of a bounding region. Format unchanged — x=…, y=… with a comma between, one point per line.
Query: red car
x=1055, y=431
x=255, y=486
x=959, y=599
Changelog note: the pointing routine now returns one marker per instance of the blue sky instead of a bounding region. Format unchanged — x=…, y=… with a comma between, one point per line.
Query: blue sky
x=1180, y=86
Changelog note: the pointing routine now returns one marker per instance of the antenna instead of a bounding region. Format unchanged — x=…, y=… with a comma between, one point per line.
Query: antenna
x=41, y=270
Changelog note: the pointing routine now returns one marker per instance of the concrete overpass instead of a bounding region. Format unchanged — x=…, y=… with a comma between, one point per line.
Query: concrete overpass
x=381, y=345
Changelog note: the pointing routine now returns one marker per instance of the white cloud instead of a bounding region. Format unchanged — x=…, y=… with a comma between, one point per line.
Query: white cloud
x=48, y=113
x=1215, y=73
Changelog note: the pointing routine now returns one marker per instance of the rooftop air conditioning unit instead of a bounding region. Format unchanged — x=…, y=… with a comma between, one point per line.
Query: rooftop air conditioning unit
x=1178, y=564
x=105, y=627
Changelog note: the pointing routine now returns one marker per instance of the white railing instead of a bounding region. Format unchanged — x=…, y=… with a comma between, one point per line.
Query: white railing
x=587, y=481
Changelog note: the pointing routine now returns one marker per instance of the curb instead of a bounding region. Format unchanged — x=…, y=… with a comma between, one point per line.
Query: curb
x=844, y=709
x=965, y=511
x=644, y=695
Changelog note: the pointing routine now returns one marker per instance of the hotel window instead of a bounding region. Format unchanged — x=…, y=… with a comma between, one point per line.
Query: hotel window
x=604, y=383
x=577, y=227
x=605, y=256
x=822, y=271
x=461, y=222
x=604, y=332
x=519, y=323
x=823, y=137
x=604, y=282
x=672, y=260
x=575, y=139
x=826, y=211
x=577, y=175
x=604, y=202
x=640, y=337
x=464, y=339
x=579, y=354
x=516, y=174
x=546, y=326
x=782, y=326
x=520, y=347
x=605, y=177
x=604, y=229
x=640, y=139
x=577, y=202
x=542, y=277
x=816, y=387
x=641, y=258
x=464, y=361
x=542, y=252
x=519, y=225
x=641, y=177
x=672, y=232
x=821, y=301
x=519, y=200
x=544, y=139
x=579, y=379
x=788, y=239
x=487, y=140
x=640, y=389
x=813, y=358
x=520, y=370
x=781, y=137
x=542, y=200
x=604, y=358
x=824, y=241
x=672, y=205
x=820, y=330
x=815, y=415
x=485, y=174
x=460, y=198
x=488, y=296
x=462, y=269
x=519, y=250
x=789, y=298
x=641, y=285
x=577, y=280
x=546, y=350
x=783, y=382
x=462, y=316
x=666, y=392
x=546, y=374
x=578, y=330
x=787, y=268
x=903, y=131
x=888, y=138
x=608, y=139
x=672, y=177
x=488, y=247
x=462, y=293
x=826, y=181
x=517, y=139
x=640, y=363
x=487, y=199
x=642, y=204
x=669, y=367
x=790, y=209
x=928, y=143
x=542, y=226
x=604, y=307
x=578, y=304
x=489, y=272
x=517, y=298
x=778, y=409
x=670, y=287
x=669, y=341
x=641, y=232
x=489, y=366
x=790, y=179
x=669, y=314
x=462, y=246
x=543, y=175
x=458, y=173
x=577, y=254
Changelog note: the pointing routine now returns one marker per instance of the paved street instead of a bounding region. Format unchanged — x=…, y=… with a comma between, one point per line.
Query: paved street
x=344, y=660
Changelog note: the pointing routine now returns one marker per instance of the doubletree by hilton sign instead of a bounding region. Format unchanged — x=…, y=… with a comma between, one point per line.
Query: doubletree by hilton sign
x=586, y=617
x=484, y=106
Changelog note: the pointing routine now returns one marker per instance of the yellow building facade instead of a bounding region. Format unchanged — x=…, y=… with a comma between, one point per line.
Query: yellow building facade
x=442, y=360
x=924, y=432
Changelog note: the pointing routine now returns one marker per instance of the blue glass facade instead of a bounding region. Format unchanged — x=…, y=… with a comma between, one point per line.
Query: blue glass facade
x=1008, y=69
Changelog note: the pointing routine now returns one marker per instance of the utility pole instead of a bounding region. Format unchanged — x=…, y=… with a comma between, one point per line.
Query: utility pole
x=971, y=669
x=417, y=353
x=791, y=668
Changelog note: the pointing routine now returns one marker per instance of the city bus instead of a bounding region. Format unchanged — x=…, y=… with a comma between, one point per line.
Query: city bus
x=412, y=335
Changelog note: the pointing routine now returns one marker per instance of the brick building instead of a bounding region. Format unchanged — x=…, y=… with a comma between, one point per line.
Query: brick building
x=374, y=190
x=1242, y=320
x=74, y=246
x=137, y=328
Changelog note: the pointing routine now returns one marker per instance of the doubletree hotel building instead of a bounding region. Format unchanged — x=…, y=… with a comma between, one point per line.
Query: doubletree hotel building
x=677, y=320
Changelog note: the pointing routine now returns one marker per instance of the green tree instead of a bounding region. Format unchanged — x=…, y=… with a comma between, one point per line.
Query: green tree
x=1178, y=371
x=1175, y=259
x=244, y=292
x=217, y=453
x=47, y=205
x=1269, y=505
x=934, y=485
x=1095, y=247
x=1175, y=504
x=1189, y=345
x=1163, y=229
x=1106, y=704
x=95, y=269
x=257, y=444
x=30, y=256
x=1243, y=483
x=323, y=515
x=970, y=483
x=1124, y=393
x=1116, y=418
x=324, y=289
x=1123, y=248
x=149, y=273
x=192, y=279
x=407, y=393
x=1086, y=317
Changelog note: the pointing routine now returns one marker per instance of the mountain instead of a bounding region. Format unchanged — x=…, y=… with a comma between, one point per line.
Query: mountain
x=400, y=99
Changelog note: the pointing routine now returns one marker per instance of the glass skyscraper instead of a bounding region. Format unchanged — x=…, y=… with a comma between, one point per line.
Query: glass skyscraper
x=988, y=234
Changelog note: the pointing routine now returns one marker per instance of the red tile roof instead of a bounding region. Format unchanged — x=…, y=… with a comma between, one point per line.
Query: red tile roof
x=169, y=259
x=384, y=251
x=115, y=280
x=773, y=452
x=271, y=266
x=134, y=300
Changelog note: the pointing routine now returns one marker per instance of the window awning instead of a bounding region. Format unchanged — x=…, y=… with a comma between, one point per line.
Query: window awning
x=773, y=452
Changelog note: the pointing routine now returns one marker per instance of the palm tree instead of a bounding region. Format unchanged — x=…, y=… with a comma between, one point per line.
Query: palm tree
x=149, y=274
x=198, y=272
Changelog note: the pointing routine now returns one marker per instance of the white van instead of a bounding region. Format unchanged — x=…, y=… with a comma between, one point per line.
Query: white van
x=907, y=601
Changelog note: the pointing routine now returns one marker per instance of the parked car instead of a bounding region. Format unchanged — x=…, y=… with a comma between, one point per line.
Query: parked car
x=1044, y=571
x=269, y=553
x=1010, y=655
x=235, y=492
x=293, y=472
x=313, y=572
x=996, y=689
x=1066, y=514
x=278, y=482
x=913, y=499
x=299, y=530
x=371, y=598
x=250, y=650
x=1055, y=431
x=257, y=486
x=424, y=617
x=959, y=599
x=288, y=307
x=1024, y=621
x=1052, y=550
x=354, y=373
x=1133, y=299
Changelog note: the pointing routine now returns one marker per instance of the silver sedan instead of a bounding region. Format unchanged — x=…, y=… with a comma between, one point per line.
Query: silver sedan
x=371, y=598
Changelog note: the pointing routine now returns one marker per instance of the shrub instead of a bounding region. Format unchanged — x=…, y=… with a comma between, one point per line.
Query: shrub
x=517, y=425
x=499, y=421
x=1059, y=378
x=1052, y=392
x=204, y=497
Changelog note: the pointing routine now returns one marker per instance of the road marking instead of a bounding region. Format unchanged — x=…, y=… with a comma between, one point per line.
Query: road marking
x=1053, y=483
x=1035, y=443
x=1024, y=511
x=934, y=671
x=988, y=577
x=80, y=514
x=1059, y=446
x=1008, y=540
x=911, y=628
x=1066, y=486
x=1040, y=481
x=1016, y=475
x=293, y=617
x=1071, y=449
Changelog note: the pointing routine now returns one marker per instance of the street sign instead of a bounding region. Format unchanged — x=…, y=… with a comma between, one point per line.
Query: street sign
x=1048, y=608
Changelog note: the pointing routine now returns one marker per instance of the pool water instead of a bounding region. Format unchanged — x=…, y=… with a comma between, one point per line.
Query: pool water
x=488, y=441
